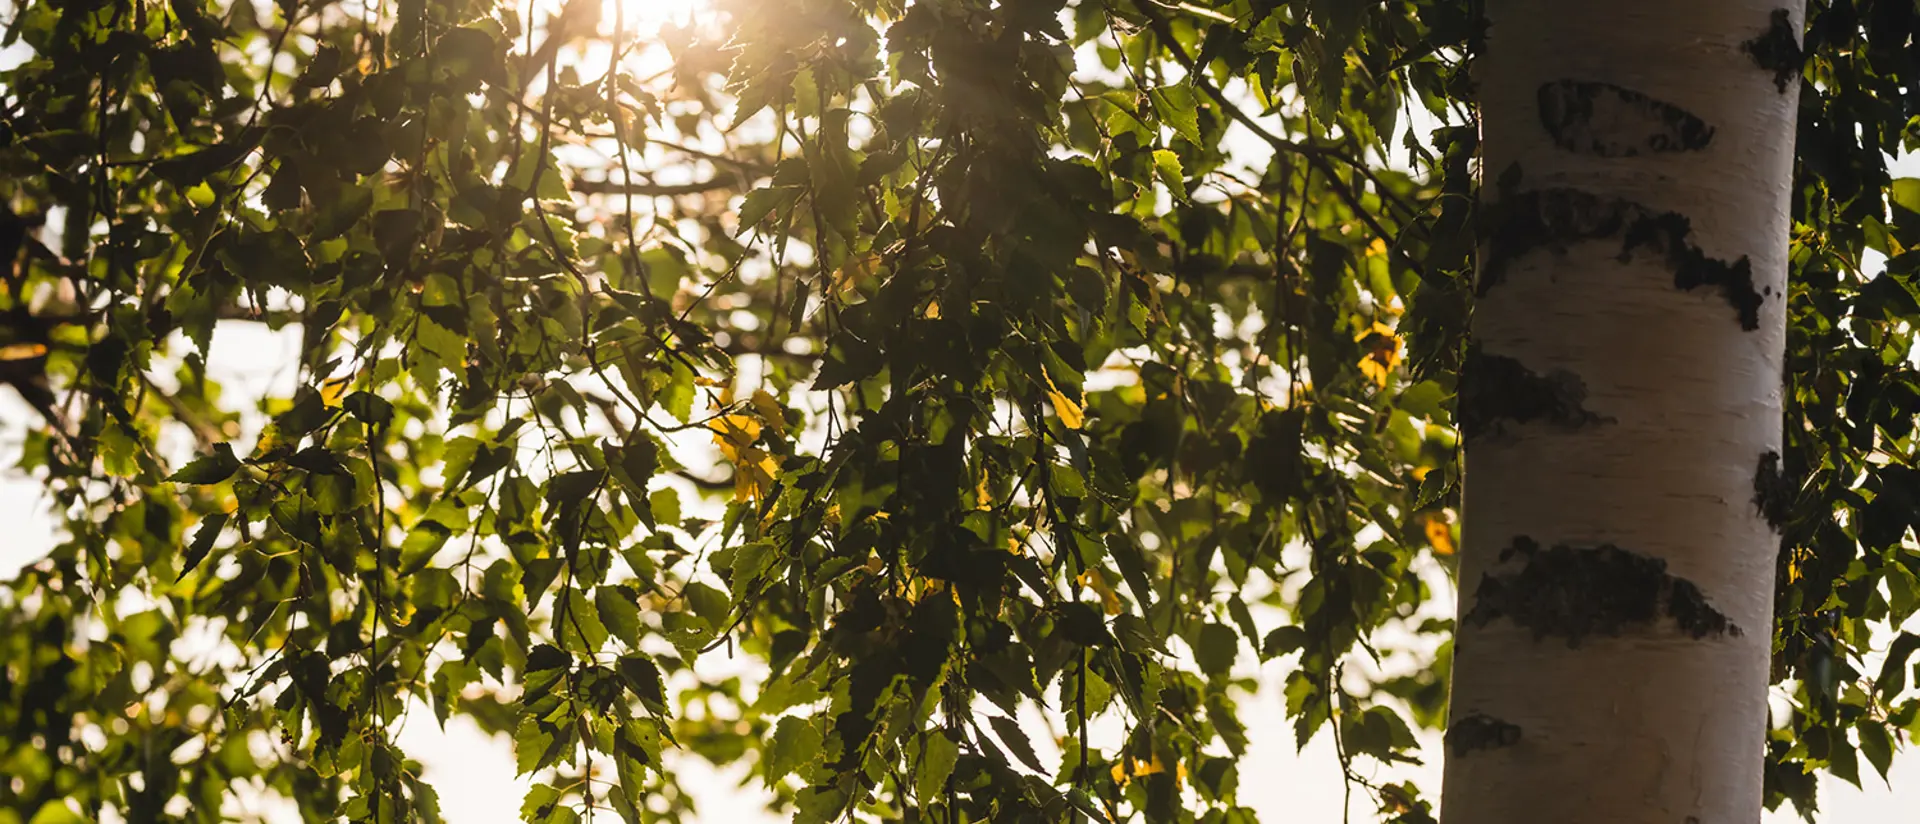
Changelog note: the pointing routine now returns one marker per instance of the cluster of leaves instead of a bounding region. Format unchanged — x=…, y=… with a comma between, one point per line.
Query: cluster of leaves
x=958, y=359
x=1849, y=572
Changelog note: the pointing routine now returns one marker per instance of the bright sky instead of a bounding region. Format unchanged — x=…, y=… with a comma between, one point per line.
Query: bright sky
x=474, y=772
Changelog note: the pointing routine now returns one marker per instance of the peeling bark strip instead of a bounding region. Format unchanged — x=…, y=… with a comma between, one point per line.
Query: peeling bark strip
x=1577, y=592
x=1494, y=389
x=1773, y=492
x=1778, y=50
x=1480, y=732
x=1557, y=218
x=1612, y=121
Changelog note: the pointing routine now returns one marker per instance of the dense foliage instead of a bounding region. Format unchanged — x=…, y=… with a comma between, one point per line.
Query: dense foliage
x=945, y=357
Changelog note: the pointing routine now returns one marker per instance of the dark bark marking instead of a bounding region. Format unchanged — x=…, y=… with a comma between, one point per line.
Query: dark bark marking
x=1575, y=592
x=1495, y=389
x=1480, y=732
x=1550, y=218
x=1778, y=50
x=1773, y=491
x=1669, y=233
x=1612, y=121
x=1557, y=218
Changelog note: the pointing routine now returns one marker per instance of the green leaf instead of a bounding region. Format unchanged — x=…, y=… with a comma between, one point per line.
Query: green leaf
x=760, y=203
x=1424, y=400
x=1274, y=454
x=1903, y=591
x=534, y=747
x=936, y=763
x=539, y=802
x=1877, y=745
x=1843, y=760
x=422, y=542
x=209, y=469
x=665, y=504
x=620, y=612
x=56, y=812
x=1215, y=648
x=1178, y=108
x=184, y=170
x=1133, y=566
x=574, y=487
x=1893, y=672
x=1085, y=804
x=203, y=539
x=634, y=463
x=1283, y=640
x=283, y=189
x=643, y=678
x=1242, y=618
x=1904, y=192
x=1166, y=166
x=580, y=622
x=749, y=562
x=1015, y=741
x=369, y=408
x=1135, y=635
x=795, y=742
x=707, y=602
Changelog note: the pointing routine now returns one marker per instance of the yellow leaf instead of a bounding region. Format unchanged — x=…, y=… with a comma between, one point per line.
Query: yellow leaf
x=1377, y=328
x=770, y=411
x=269, y=439
x=753, y=468
x=1383, y=353
x=633, y=120
x=1440, y=534
x=733, y=433
x=1374, y=371
x=753, y=473
x=1796, y=563
x=1069, y=410
x=1129, y=768
x=333, y=389
x=858, y=269
x=22, y=351
x=1109, y=600
x=725, y=387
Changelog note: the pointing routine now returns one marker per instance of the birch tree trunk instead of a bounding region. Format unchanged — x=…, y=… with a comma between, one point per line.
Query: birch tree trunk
x=1622, y=399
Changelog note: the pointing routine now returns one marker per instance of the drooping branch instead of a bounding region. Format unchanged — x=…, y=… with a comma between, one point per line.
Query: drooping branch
x=1320, y=157
x=723, y=180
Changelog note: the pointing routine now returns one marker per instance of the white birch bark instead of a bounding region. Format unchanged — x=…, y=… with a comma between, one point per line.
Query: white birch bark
x=1616, y=419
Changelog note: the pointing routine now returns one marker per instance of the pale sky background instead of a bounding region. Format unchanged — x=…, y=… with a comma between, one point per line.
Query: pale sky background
x=474, y=772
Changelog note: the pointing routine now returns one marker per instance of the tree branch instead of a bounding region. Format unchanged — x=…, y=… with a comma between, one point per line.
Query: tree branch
x=1315, y=155
x=719, y=181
